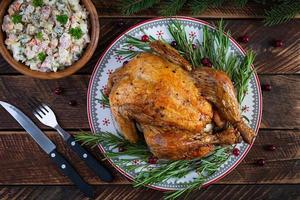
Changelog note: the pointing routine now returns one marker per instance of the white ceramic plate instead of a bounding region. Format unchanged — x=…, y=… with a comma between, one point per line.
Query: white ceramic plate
x=100, y=118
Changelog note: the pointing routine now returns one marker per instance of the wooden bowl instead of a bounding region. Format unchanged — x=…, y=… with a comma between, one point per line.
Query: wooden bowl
x=88, y=52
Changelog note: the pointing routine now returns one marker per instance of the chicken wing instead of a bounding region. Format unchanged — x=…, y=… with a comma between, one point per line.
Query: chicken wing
x=217, y=87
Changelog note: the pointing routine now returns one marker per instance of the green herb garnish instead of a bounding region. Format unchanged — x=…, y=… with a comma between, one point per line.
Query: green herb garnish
x=42, y=56
x=76, y=33
x=150, y=174
x=16, y=18
x=37, y=3
x=63, y=19
x=39, y=35
x=215, y=46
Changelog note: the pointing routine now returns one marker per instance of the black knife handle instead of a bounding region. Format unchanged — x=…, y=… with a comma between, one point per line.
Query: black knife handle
x=67, y=169
x=90, y=161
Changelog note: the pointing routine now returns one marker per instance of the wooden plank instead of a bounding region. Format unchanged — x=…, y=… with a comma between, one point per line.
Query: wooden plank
x=268, y=59
x=124, y=192
x=281, y=105
x=23, y=163
x=280, y=108
x=228, y=10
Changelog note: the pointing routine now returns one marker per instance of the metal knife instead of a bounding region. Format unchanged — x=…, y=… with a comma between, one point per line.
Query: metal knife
x=49, y=147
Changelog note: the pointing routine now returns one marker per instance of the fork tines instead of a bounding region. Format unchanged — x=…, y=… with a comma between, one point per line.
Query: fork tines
x=37, y=106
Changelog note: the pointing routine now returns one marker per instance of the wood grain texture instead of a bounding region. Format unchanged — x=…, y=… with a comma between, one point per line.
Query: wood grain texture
x=123, y=192
x=280, y=106
x=227, y=10
x=268, y=60
x=23, y=162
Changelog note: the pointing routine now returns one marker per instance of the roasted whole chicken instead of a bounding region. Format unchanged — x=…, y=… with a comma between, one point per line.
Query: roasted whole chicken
x=183, y=114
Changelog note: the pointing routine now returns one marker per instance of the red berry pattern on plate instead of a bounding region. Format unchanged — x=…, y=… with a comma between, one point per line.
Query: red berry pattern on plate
x=159, y=34
x=109, y=72
x=119, y=58
x=192, y=34
x=105, y=122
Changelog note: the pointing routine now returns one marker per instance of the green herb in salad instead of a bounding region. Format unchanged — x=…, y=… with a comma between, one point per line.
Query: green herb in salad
x=63, y=19
x=16, y=18
x=37, y=3
x=42, y=56
x=39, y=35
x=76, y=33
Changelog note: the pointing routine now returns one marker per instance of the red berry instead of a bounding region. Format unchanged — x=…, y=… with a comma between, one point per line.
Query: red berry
x=244, y=38
x=145, y=38
x=58, y=90
x=261, y=162
x=236, y=152
x=270, y=147
x=152, y=160
x=206, y=62
x=278, y=43
x=120, y=23
x=173, y=43
x=121, y=149
x=194, y=46
x=205, y=187
x=266, y=87
x=125, y=62
x=73, y=103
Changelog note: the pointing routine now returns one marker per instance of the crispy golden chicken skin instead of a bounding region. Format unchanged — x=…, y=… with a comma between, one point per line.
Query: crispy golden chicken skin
x=217, y=87
x=151, y=90
x=173, y=105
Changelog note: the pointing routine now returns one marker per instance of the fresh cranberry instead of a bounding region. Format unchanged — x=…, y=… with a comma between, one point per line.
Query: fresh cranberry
x=121, y=23
x=261, y=162
x=152, y=160
x=145, y=38
x=205, y=187
x=244, y=39
x=266, y=87
x=174, y=44
x=206, y=62
x=270, y=147
x=58, y=90
x=73, y=103
x=236, y=152
x=278, y=43
x=121, y=149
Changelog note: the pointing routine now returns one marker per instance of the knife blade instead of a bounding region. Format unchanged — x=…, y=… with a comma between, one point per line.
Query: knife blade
x=44, y=142
x=49, y=147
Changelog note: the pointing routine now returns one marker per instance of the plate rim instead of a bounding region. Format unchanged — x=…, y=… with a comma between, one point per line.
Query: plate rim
x=97, y=66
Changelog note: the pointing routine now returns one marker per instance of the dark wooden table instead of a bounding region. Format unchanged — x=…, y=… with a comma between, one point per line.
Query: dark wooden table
x=27, y=173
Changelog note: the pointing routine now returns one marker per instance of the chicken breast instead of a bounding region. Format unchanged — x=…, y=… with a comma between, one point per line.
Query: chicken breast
x=153, y=91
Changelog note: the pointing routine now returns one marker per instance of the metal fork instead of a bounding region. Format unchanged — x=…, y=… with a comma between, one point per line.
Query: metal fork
x=46, y=116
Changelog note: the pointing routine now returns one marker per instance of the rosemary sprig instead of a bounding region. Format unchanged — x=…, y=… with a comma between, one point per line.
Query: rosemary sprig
x=215, y=46
x=164, y=170
x=208, y=166
x=104, y=100
x=276, y=11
